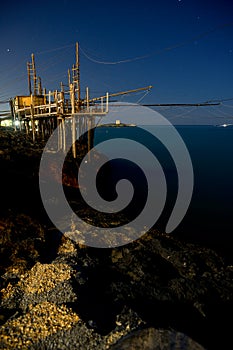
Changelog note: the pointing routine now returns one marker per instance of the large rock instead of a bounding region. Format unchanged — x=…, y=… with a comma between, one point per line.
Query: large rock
x=156, y=339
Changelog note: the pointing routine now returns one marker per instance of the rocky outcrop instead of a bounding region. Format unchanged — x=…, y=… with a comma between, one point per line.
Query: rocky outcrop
x=157, y=292
x=168, y=291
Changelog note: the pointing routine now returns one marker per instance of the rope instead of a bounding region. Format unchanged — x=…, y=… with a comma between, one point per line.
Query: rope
x=144, y=95
x=108, y=62
x=214, y=113
x=183, y=43
x=225, y=105
x=55, y=49
x=183, y=114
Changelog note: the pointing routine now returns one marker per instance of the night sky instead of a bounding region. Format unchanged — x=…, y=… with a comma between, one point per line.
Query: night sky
x=184, y=48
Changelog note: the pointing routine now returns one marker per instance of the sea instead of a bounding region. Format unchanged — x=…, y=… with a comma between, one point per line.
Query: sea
x=209, y=217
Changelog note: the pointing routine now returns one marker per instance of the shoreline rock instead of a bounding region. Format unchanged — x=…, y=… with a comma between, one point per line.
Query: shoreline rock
x=85, y=298
x=148, y=277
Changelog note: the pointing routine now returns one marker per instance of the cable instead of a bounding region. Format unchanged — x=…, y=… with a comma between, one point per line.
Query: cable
x=221, y=100
x=117, y=62
x=200, y=36
x=55, y=49
x=214, y=113
x=227, y=114
x=144, y=95
x=183, y=114
x=225, y=105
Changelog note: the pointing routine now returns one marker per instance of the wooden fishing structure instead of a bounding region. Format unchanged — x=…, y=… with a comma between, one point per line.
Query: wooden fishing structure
x=41, y=112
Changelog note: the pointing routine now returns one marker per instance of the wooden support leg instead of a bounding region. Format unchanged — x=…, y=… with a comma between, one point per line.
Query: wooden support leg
x=73, y=128
x=33, y=130
x=64, y=135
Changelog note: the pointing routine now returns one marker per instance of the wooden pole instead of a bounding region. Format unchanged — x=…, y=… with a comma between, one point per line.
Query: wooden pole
x=56, y=101
x=78, y=75
x=64, y=134
x=73, y=74
x=62, y=99
x=73, y=125
x=49, y=102
x=39, y=86
x=102, y=104
x=72, y=98
x=121, y=93
x=87, y=98
x=89, y=136
x=62, y=86
x=59, y=134
x=107, y=98
x=34, y=75
x=29, y=78
x=74, y=136
x=44, y=93
x=32, y=119
x=62, y=103
x=42, y=129
x=69, y=81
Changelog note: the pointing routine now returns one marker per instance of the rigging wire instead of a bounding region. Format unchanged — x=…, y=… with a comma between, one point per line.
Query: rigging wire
x=42, y=67
x=220, y=100
x=228, y=115
x=181, y=115
x=13, y=68
x=52, y=61
x=144, y=95
x=55, y=49
x=157, y=52
x=66, y=47
x=216, y=115
x=225, y=105
x=114, y=110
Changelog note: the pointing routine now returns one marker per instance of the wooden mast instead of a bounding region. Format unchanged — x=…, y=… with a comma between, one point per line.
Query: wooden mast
x=29, y=78
x=76, y=79
x=34, y=75
x=78, y=75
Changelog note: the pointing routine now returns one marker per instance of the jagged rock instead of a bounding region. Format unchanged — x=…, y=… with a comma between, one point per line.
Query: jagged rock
x=44, y=282
x=149, y=276
x=21, y=240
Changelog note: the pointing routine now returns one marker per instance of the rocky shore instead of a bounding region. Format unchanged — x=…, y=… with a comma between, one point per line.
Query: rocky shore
x=155, y=293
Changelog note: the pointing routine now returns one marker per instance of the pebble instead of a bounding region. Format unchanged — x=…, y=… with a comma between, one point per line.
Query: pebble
x=41, y=321
x=44, y=277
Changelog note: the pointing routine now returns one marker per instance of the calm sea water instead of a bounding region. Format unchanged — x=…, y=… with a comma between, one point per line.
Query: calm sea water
x=209, y=219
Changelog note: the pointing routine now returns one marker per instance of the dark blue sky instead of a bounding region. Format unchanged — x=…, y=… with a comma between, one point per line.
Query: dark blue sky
x=200, y=68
